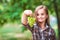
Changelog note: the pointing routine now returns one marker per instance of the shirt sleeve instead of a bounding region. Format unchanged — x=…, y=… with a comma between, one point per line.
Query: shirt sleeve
x=28, y=27
x=53, y=35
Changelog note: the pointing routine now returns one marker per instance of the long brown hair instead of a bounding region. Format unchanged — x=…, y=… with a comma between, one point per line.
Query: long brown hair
x=46, y=9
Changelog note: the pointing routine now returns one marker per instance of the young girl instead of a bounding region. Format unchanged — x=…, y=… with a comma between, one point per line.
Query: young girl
x=41, y=30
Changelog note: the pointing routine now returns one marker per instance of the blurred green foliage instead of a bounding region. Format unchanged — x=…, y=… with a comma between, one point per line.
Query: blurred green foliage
x=11, y=10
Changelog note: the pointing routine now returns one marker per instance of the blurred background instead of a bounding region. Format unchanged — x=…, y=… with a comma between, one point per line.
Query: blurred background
x=11, y=13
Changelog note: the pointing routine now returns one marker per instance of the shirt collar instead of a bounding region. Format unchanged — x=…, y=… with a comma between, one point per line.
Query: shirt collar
x=41, y=28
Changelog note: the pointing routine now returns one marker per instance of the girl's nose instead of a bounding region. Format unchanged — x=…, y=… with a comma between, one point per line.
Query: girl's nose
x=39, y=16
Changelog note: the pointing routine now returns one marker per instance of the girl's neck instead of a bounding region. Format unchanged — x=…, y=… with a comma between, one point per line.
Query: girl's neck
x=42, y=25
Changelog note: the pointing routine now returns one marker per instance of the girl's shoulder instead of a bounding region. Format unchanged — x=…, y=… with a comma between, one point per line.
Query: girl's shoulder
x=51, y=30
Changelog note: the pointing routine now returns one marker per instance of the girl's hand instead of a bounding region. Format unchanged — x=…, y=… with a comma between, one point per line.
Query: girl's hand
x=28, y=12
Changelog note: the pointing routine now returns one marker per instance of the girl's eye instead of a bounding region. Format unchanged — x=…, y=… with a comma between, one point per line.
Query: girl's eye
x=42, y=14
x=37, y=14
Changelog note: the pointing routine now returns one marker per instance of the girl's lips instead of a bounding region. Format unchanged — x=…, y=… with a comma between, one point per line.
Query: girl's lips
x=39, y=18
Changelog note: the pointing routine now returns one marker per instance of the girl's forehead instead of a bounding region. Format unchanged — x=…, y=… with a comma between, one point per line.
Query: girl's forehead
x=41, y=11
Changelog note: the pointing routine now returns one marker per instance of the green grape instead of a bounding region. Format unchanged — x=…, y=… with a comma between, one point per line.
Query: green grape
x=31, y=21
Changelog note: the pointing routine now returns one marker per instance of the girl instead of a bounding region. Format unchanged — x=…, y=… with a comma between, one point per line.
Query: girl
x=41, y=30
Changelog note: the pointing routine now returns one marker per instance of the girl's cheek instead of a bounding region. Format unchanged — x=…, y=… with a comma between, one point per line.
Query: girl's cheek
x=37, y=17
x=43, y=16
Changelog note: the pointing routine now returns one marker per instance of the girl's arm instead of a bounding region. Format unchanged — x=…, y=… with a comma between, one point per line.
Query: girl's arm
x=53, y=36
x=24, y=20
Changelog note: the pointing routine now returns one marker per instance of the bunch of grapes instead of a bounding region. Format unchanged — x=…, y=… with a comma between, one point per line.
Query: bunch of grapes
x=31, y=21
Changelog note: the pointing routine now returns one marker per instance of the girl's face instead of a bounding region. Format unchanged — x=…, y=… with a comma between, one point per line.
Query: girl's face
x=41, y=15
